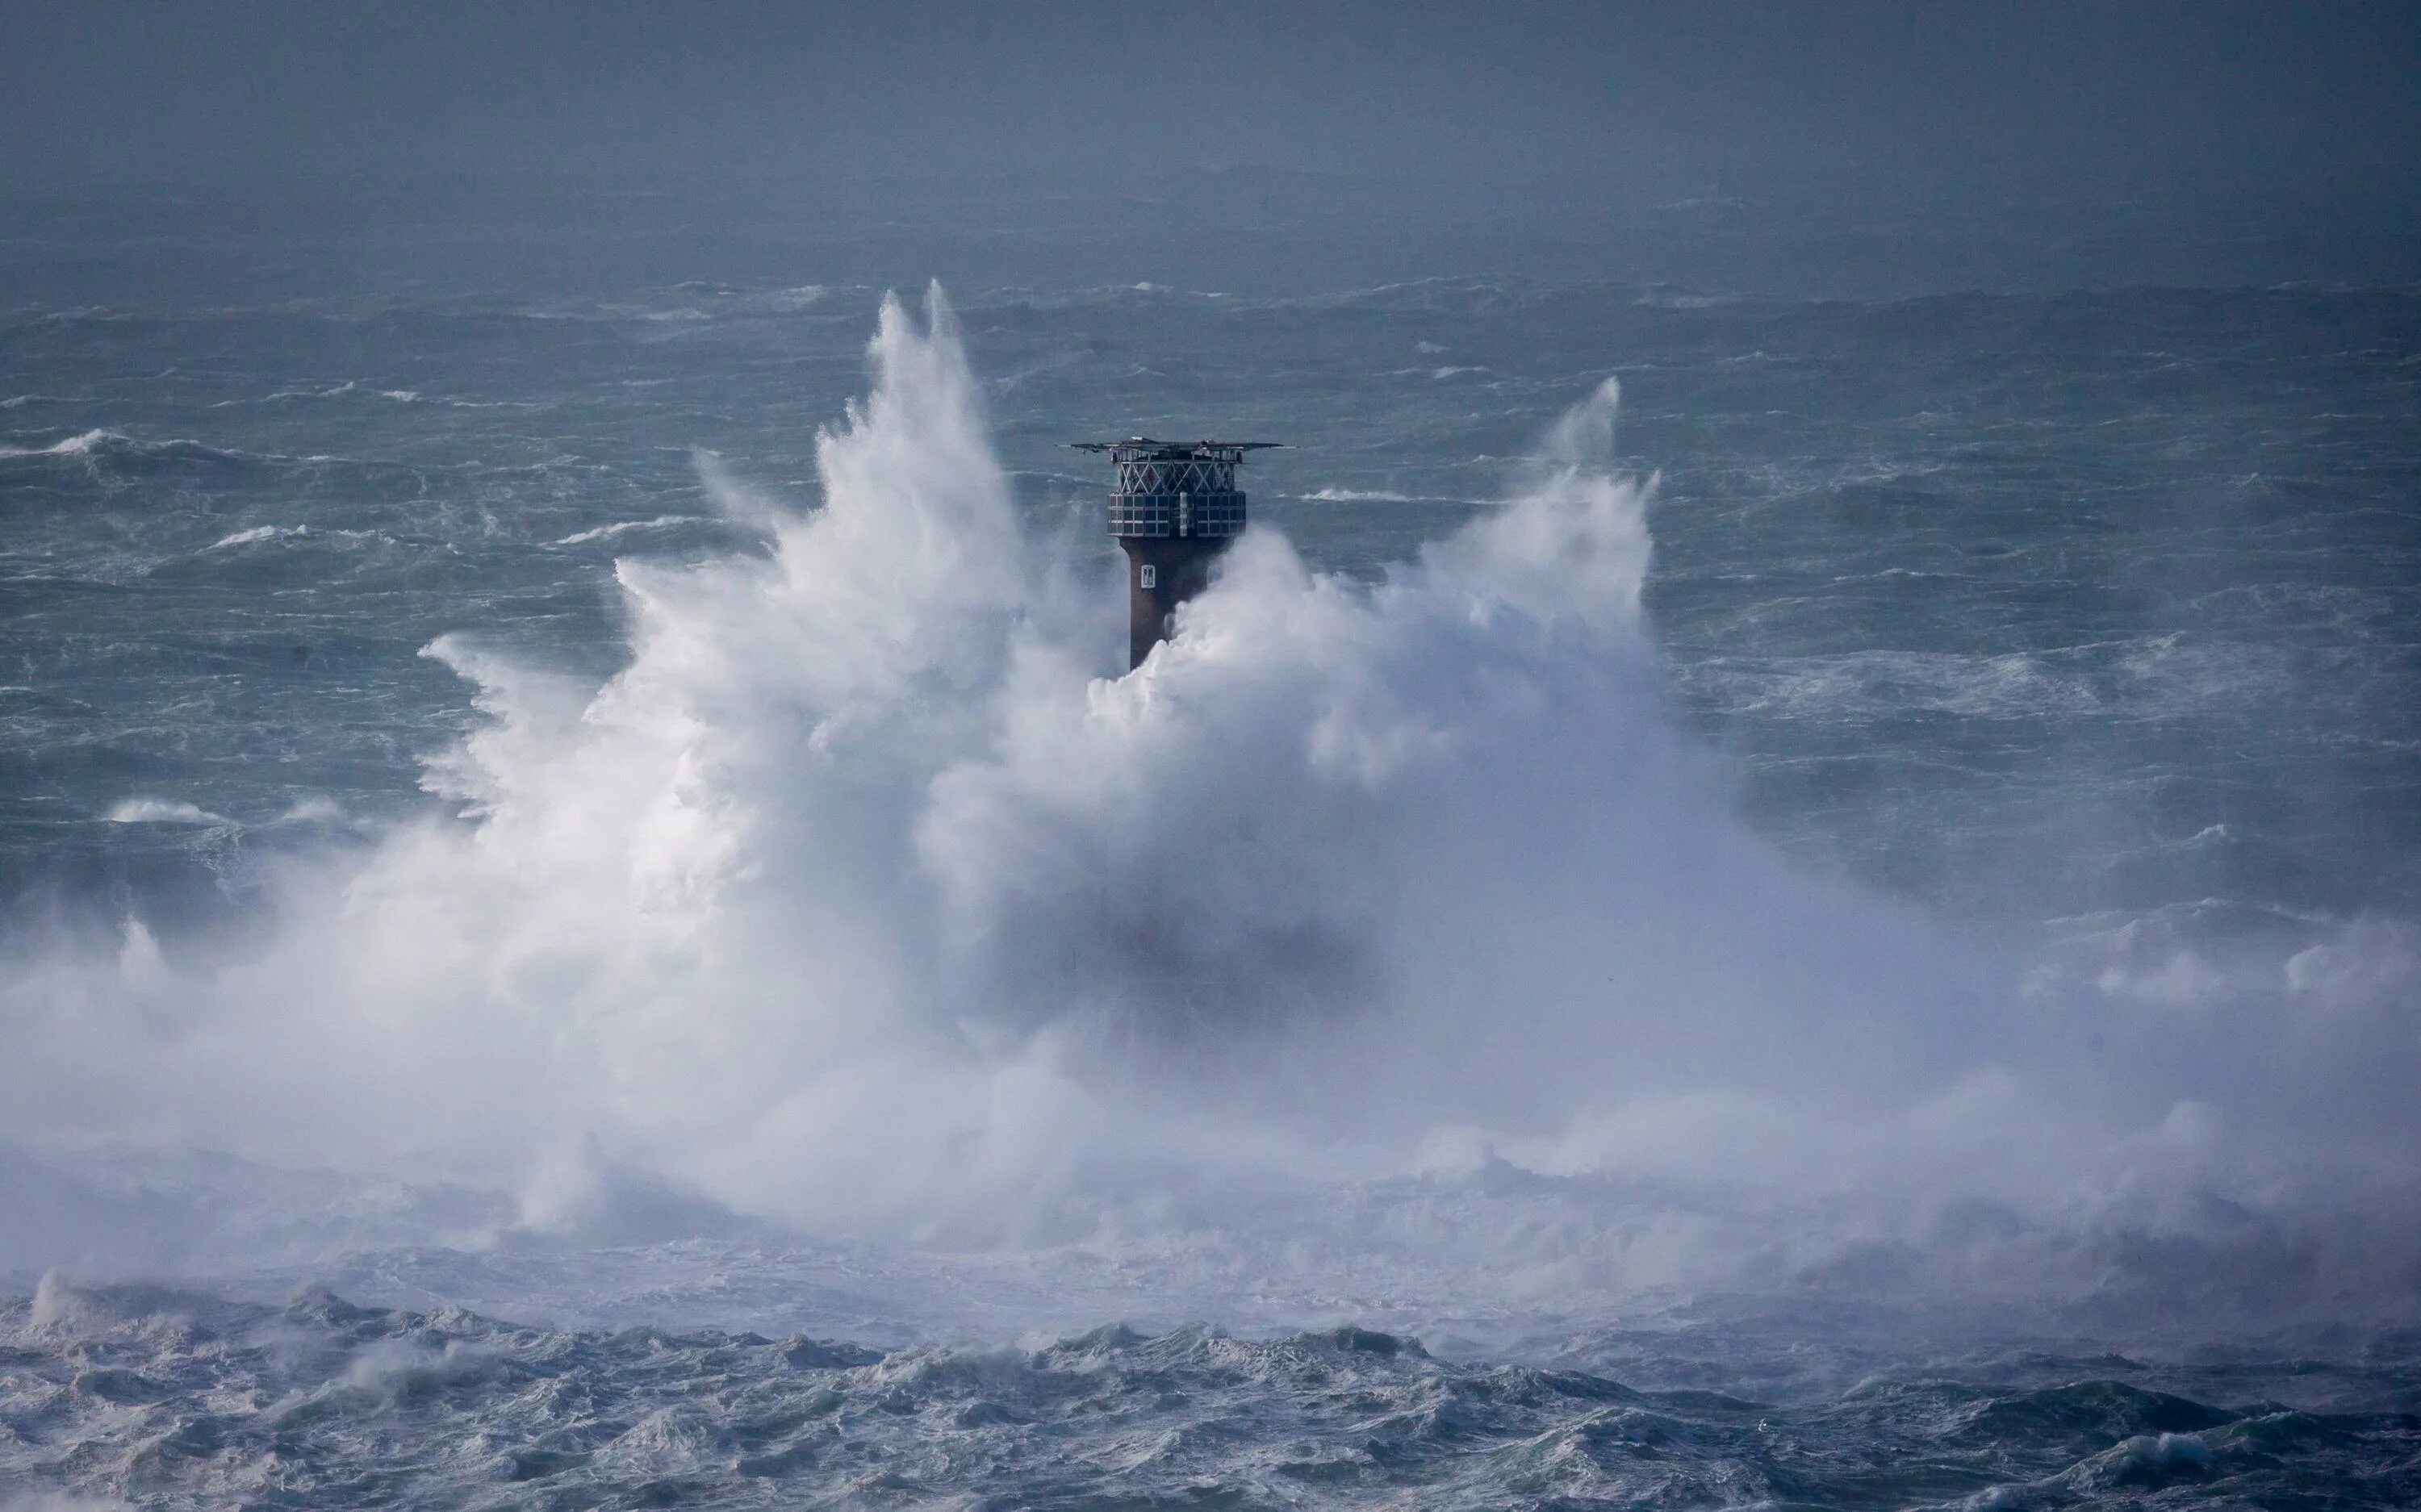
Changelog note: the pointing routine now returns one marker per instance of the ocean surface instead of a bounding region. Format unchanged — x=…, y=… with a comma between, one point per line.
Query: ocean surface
x=1756, y=890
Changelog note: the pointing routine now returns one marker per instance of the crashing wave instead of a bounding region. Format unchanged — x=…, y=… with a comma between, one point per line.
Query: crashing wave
x=867, y=898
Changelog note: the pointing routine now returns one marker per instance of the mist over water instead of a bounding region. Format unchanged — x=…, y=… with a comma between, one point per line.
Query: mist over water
x=1383, y=932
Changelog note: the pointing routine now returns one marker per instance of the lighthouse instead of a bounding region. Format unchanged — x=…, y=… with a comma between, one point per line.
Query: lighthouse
x=1174, y=510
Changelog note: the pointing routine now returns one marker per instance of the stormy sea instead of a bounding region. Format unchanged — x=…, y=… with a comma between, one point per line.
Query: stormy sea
x=1753, y=886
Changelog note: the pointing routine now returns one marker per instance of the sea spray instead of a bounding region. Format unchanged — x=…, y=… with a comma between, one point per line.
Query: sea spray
x=1366, y=920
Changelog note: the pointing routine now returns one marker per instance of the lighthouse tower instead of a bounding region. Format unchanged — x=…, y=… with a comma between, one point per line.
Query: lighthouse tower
x=1174, y=510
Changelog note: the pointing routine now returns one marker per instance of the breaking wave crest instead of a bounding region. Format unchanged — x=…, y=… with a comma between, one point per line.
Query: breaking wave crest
x=867, y=898
x=99, y=447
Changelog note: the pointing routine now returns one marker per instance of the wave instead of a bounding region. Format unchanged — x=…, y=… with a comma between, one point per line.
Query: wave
x=187, y=1393
x=871, y=897
x=797, y=297
x=624, y=528
x=164, y=811
x=77, y=445
x=261, y=535
x=103, y=445
x=1356, y=497
x=257, y=533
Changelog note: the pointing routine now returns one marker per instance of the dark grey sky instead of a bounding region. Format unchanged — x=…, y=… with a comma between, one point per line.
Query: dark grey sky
x=2207, y=102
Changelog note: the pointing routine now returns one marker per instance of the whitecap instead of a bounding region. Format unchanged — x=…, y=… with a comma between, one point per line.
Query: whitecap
x=256, y=534
x=623, y=528
x=77, y=445
x=164, y=811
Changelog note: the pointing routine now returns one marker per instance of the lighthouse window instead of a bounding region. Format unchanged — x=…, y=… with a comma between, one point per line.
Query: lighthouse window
x=1148, y=576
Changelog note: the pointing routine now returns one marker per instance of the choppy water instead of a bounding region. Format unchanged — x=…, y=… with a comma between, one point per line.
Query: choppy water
x=323, y=1403
x=1922, y=1008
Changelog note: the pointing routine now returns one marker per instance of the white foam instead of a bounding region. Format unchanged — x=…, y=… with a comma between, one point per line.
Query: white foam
x=78, y=446
x=257, y=533
x=873, y=895
x=315, y=809
x=162, y=811
x=623, y=528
